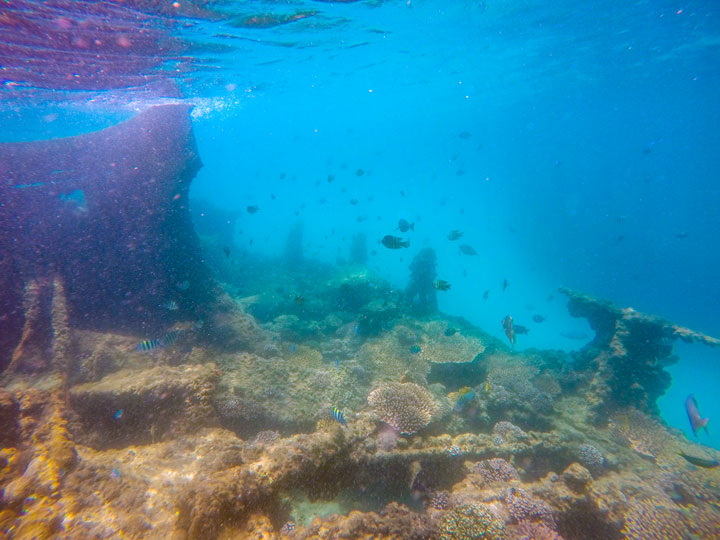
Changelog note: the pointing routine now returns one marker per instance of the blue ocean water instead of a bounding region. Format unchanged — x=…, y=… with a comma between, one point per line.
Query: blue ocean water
x=574, y=144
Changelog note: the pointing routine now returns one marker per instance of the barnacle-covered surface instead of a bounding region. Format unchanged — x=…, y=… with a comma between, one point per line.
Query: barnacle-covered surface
x=310, y=423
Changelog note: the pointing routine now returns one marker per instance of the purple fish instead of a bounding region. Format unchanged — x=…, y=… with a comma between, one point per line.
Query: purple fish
x=696, y=422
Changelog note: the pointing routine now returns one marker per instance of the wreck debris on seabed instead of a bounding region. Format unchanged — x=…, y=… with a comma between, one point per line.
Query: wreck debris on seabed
x=346, y=415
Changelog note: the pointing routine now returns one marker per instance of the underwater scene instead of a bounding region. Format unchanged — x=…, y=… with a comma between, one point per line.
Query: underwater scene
x=359, y=269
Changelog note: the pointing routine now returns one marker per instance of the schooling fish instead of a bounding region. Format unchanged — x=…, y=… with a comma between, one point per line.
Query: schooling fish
x=538, y=318
x=339, y=416
x=691, y=407
x=507, y=324
x=394, y=242
x=253, y=209
x=700, y=462
x=441, y=285
x=467, y=250
x=454, y=235
x=405, y=226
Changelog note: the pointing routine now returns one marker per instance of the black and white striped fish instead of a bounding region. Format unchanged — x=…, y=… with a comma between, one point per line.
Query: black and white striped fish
x=394, y=242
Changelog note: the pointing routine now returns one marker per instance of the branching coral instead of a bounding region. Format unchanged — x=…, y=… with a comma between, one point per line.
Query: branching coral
x=471, y=522
x=407, y=407
x=495, y=470
x=523, y=506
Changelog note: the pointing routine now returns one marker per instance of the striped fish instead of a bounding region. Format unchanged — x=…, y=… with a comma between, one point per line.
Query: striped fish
x=339, y=416
x=394, y=242
x=171, y=337
x=149, y=345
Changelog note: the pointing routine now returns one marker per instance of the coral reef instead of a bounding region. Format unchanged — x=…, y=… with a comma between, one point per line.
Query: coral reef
x=130, y=446
x=407, y=407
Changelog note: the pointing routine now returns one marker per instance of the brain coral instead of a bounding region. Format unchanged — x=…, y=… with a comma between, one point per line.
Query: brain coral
x=471, y=521
x=407, y=407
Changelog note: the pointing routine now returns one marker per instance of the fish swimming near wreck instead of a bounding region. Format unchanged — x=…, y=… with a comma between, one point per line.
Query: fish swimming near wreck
x=148, y=345
x=699, y=461
x=520, y=329
x=394, y=242
x=696, y=422
x=404, y=226
x=339, y=416
x=507, y=324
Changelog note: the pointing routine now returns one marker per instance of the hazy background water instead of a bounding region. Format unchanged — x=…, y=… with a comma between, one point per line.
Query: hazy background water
x=575, y=143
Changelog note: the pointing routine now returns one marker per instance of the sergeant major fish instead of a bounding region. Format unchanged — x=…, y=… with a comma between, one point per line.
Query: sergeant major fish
x=339, y=416
x=467, y=250
x=394, y=242
x=441, y=285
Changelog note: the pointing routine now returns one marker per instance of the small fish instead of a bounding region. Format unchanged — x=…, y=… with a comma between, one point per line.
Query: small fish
x=354, y=201
x=330, y=178
x=183, y=285
x=226, y=250
x=465, y=135
x=336, y=362
x=293, y=348
x=467, y=250
x=405, y=226
x=507, y=324
x=441, y=285
x=465, y=396
x=505, y=284
x=115, y=473
x=171, y=337
x=486, y=294
x=253, y=209
x=287, y=528
x=696, y=422
x=700, y=462
x=519, y=329
x=359, y=172
x=455, y=235
x=450, y=331
x=299, y=299
x=148, y=345
x=339, y=416
x=681, y=235
x=272, y=196
x=171, y=305
x=415, y=349
x=118, y=414
x=454, y=450
x=487, y=386
x=538, y=318
x=394, y=242
x=402, y=193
